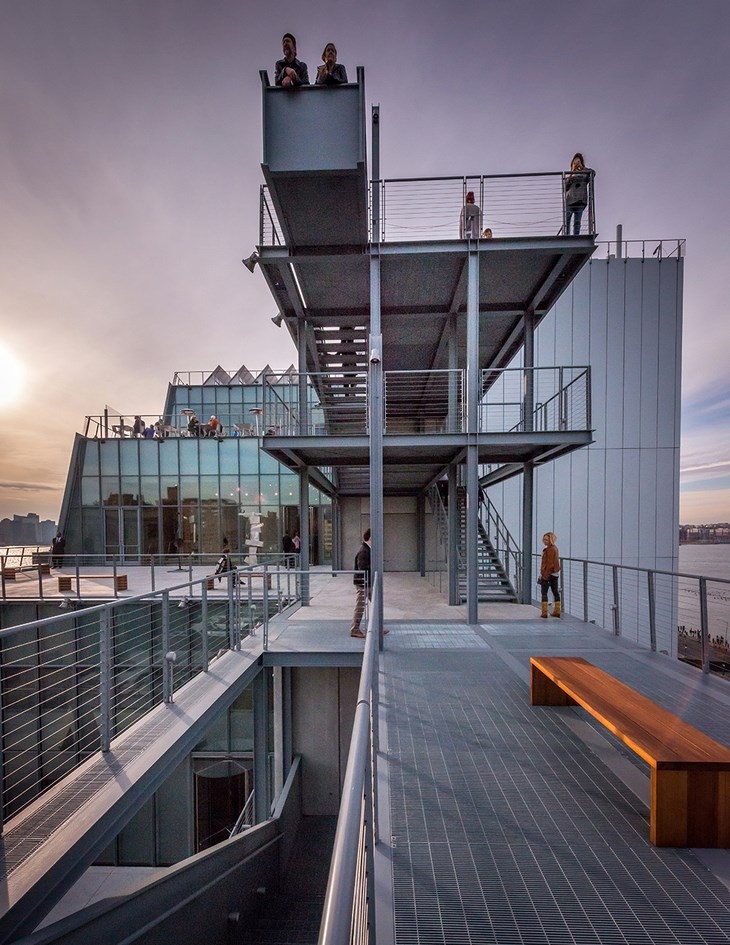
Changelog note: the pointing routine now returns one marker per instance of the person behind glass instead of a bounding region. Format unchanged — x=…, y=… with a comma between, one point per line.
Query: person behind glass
x=470, y=222
x=332, y=72
x=290, y=72
x=487, y=234
x=138, y=426
x=193, y=425
x=576, y=193
x=363, y=581
x=549, y=573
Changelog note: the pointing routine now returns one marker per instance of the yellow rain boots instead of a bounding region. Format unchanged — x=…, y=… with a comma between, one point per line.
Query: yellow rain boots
x=556, y=609
x=544, y=611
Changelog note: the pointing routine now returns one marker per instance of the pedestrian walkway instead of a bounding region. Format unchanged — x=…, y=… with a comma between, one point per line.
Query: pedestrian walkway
x=503, y=822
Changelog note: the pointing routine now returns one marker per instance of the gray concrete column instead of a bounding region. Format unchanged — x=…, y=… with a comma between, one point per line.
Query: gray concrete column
x=472, y=452
x=304, y=532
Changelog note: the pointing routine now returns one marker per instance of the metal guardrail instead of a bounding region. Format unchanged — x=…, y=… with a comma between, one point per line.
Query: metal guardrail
x=73, y=682
x=432, y=402
x=642, y=249
x=429, y=208
x=652, y=607
x=39, y=582
x=349, y=907
x=504, y=545
x=560, y=399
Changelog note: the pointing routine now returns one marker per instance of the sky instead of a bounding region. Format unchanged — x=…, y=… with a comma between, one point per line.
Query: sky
x=130, y=153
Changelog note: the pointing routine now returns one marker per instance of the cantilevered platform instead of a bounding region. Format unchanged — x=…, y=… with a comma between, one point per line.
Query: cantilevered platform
x=412, y=463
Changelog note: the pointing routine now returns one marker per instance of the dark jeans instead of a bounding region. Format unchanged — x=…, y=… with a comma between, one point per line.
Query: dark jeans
x=576, y=211
x=552, y=584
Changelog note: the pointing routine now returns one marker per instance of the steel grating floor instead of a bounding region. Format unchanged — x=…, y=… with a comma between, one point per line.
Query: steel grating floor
x=505, y=827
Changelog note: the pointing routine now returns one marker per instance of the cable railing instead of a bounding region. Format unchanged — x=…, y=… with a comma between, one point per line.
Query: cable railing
x=539, y=399
x=428, y=402
x=348, y=914
x=682, y=615
x=80, y=576
x=502, y=542
x=73, y=682
x=430, y=208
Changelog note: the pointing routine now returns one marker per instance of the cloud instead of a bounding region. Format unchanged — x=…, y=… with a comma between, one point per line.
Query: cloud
x=30, y=486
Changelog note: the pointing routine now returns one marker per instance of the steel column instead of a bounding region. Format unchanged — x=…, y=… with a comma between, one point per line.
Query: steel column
x=375, y=386
x=304, y=532
x=472, y=450
x=260, y=748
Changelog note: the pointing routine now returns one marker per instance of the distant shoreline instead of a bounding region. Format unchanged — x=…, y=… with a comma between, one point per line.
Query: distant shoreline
x=706, y=541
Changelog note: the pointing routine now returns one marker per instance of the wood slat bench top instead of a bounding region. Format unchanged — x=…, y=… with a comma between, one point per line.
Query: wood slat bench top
x=658, y=736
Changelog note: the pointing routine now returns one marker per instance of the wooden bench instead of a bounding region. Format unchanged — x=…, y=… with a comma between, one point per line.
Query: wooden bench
x=65, y=581
x=690, y=772
x=12, y=573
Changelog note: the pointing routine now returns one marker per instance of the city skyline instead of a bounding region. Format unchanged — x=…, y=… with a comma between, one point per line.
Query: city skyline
x=131, y=171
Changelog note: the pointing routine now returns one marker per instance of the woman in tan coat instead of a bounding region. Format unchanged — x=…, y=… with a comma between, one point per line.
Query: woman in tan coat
x=549, y=572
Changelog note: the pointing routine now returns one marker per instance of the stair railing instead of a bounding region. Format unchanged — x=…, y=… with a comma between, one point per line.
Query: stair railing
x=504, y=545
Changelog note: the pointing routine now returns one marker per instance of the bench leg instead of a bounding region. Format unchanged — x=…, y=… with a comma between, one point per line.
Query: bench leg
x=690, y=808
x=543, y=691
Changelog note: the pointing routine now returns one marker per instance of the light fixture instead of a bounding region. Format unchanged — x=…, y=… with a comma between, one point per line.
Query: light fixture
x=65, y=604
x=250, y=261
x=277, y=320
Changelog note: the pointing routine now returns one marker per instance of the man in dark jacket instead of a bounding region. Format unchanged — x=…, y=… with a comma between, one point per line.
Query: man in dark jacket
x=363, y=584
x=290, y=71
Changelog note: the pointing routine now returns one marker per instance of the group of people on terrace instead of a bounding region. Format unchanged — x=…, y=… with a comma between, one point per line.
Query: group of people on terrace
x=576, y=184
x=290, y=72
x=155, y=430
x=212, y=428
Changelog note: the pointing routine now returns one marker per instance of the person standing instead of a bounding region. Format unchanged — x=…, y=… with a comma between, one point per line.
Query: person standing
x=290, y=72
x=576, y=193
x=362, y=579
x=549, y=573
x=58, y=547
x=470, y=222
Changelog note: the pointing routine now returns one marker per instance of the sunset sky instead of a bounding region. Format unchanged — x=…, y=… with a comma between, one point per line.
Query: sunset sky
x=130, y=171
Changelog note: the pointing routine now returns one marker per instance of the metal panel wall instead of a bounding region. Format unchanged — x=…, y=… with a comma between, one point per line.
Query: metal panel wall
x=617, y=500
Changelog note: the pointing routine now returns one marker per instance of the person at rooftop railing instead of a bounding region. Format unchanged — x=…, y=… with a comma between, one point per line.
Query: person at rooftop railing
x=332, y=72
x=576, y=193
x=470, y=222
x=290, y=72
x=138, y=426
x=193, y=425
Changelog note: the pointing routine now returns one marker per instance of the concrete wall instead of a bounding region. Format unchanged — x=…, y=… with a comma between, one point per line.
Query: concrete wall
x=400, y=531
x=323, y=710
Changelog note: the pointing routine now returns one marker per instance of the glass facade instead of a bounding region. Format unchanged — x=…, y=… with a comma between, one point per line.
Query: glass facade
x=136, y=497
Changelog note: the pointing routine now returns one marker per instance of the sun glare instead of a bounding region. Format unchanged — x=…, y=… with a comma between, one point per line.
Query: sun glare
x=12, y=375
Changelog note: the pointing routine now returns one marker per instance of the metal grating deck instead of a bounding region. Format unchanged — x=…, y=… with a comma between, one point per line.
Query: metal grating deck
x=507, y=828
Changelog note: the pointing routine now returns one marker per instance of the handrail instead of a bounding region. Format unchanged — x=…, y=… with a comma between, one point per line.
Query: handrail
x=652, y=606
x=341, y=911
x=101, y=668
x=506, y=548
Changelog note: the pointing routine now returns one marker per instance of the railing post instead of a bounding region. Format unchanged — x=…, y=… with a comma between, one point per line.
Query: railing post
x=114, y=575
x=265, y=615
x=652, y=610
x=704, y=626
x=165, y=649
x=585, y=592
x=615, y=606
x=232, y=635
x=204, y=656
x=105, y=672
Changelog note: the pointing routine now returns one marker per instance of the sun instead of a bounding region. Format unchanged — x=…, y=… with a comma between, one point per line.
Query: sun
x=12, y=376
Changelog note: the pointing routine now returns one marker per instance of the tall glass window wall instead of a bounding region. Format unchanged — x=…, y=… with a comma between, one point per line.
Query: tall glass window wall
x=140, y=497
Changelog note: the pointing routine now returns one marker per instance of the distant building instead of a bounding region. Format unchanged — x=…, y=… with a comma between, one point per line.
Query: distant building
x=26, y=530
x=718, y=533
